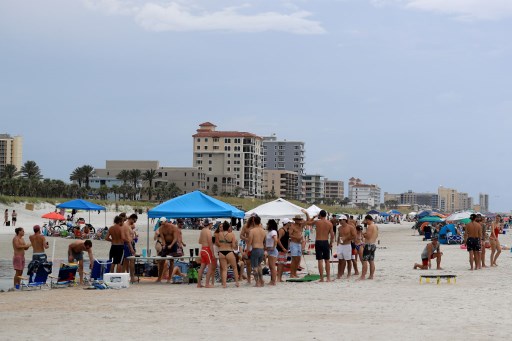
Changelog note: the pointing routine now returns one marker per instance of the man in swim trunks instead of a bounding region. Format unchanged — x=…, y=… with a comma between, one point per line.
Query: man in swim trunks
x=207, y=258
x=115, y=236
x=323, y=243
x=472, y=237
x=39, y=244
x=296, y=242
x=431, y=251
x=18, y=260
x=169, y=236
x=346, y=235
x=256, y=242
x=370, y=236
x=76, y=252
x=129, y=245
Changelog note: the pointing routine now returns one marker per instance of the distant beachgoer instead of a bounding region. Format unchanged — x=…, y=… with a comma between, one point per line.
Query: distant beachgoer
x=323, y=244
x=271, y=249
x=205, y=239
x=432, y=250
x=76, y=252
x=115, y=236
x=6, y=216
x=370, y=236
x=18, y=260
x=128, y=234
x=169, y=236
x=484, y=240
x=472, y=237
x=244, y=237
x=495, y=243
x=39, y=244
x=14, y=217
x=359, y=248
x=226, y=242
x=296, y=242
x=283, y=242
x=346, y=236
x=256, y=241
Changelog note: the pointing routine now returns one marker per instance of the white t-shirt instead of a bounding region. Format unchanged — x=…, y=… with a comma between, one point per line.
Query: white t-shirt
x=269, y=241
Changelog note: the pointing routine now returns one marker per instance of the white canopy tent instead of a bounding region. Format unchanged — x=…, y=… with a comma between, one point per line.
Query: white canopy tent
x=277, y=209
x=313, y=210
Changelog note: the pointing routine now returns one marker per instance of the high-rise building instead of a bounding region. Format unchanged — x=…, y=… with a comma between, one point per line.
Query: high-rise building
x=420, y=199
x=281, y=184
x=483, y=201
x=334, y=189
x=283, y=155
x=450, y=200
x=11, y=151
x=313, y=188
x=231, y=160
x=360, y=193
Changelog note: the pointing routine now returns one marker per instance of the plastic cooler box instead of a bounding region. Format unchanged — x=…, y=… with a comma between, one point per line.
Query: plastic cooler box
x=117, y=280
x=100, y=268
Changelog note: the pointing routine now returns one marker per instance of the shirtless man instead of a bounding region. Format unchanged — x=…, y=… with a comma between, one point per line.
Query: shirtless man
x=18, y=260
x=256, y=242
x=127, y=231
x=370, y=236
x=207, y=258
x=346, y=236
x=39, y=244
x=115, y=236
x=355, y=251
x=244, y=238
x=76, y=252
x=283, y=240
x=169, y=236
x=431, y=251
x=323, y=244
x=296, y=242
x=472, y=237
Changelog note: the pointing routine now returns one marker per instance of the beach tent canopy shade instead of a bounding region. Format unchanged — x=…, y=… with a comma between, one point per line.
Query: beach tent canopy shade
x=195, y=205
x=277, y=209
x=384, y=214
x=431, y=219
x=313, y=210
x=394, y=212
x=79, y=204
x=373, y=212
x=443, y=239
x=53, y=216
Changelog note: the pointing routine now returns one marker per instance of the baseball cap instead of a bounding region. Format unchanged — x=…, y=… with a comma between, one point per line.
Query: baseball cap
x=286, y=221
x=342, y=217
x=163, y=219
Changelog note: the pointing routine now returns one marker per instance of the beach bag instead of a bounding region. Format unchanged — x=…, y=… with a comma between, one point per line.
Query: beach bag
x=192, y=275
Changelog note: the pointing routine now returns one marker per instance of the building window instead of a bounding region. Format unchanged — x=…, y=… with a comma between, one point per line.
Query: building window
x=205, y=139
x=209, y=169
x=229, y=169
x=198, y=139
x=209, y=162
x=205, y=147
x=215, y=139
x=198, y=147
x=215, y=147
x=165, y=173
x=227, y=140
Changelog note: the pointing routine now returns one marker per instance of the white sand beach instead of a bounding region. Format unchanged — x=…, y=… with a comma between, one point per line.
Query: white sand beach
x=392, y=306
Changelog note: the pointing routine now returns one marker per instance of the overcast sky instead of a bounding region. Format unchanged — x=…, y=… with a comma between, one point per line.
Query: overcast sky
x=405, y=94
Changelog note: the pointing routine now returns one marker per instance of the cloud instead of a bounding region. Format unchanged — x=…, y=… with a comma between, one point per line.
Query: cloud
x=469, y=10
x=180, y=16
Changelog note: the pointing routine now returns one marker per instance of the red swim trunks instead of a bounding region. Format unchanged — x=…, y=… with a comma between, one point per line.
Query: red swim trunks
x=206, y=255
x=18, y=262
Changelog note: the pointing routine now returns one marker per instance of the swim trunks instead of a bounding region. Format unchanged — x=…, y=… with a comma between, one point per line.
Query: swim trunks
x=322, y=250
x=473, y=244
x=369, y=252
x=116, y=253
x=295, y=249
x=344, y=252
x=256, y=257
x=41, y=257
x=206, y=255
x=78, y=256
x=282, y=257
x=126, y=248
x=18, y=262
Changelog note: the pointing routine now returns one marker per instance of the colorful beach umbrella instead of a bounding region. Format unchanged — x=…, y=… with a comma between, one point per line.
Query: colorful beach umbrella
x=431, y=219
x=53, y=216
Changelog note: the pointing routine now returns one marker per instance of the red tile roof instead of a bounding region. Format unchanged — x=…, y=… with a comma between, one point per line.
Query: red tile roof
x=207, y=124
x=201, y=133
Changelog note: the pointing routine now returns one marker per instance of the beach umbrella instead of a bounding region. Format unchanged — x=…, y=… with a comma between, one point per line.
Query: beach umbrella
x=465, y=221
x=383, y=214
x=423, y=214
x=458, y=216
x=431, y=219
x=373, y=212
x=394, y=212
x=53, y=216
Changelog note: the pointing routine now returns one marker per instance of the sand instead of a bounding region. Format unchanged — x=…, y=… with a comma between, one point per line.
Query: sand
x=393, y=306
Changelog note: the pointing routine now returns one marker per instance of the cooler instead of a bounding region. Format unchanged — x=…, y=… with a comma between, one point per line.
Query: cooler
x=100, y=268
x=117, y=280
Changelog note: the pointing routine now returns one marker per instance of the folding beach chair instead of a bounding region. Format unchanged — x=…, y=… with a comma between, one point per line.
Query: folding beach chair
x=66, y=277
x=37, y=275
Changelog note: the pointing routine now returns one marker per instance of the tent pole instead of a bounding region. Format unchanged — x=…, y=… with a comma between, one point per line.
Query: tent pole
x=147, y=239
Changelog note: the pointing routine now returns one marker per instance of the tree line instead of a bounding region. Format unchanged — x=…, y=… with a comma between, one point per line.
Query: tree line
x=29, y=182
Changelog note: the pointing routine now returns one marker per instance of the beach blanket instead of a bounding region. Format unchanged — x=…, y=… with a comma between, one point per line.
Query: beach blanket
x=307, y=278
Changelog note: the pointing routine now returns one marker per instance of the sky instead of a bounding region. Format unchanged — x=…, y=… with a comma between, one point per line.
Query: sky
x=405, y=94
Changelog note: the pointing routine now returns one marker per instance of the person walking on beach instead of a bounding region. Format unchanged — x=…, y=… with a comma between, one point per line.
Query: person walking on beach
x=205, y=239
x=495, y=243
x=296, y=239
x=346, y=236
x=39, y=244
x=472, y=237
x=256, y=242
x=323, y=244
x=282, y=247
x=271, y=249
x=76, y=252
x=18, y=259
x=484, y=239
x=432, y=250
x=6, y=216
x=115, y=236
x=14, y=217
x=370, y=236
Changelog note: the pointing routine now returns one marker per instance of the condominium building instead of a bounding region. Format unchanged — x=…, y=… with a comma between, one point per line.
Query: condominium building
x=391, y=197
x=11, y=151
x=313, y=188
x=484, y=202
x=334, y=189
x=229, y=159
x=360, y=193
x=421, y=199
x=283, y=155
x=281, y=184
x=450, y=200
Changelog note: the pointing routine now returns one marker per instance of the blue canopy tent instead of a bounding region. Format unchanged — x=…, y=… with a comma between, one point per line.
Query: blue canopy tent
x=383, y=214
x=450, y=228
x=194, y=205
x=423, y=214
x=80, y=204
x=394, y=212
x=373, y=212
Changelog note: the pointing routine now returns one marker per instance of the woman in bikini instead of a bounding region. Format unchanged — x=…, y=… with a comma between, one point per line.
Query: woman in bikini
x=359, y=241
x=226, y=242
x=271, y=249
x=495, y=243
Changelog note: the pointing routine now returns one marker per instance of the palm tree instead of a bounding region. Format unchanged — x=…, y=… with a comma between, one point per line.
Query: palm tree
x=115, y=189
x=124, y=176
x=149, y=176
x=30, y=170
x=87, y=172
x=135, y=175
x=10, y=172
x=77, y=175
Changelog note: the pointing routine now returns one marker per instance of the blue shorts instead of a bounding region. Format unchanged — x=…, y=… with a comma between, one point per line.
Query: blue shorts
x=272, y=252
x=256, y=257
x=127, y=252
x=295, y=249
